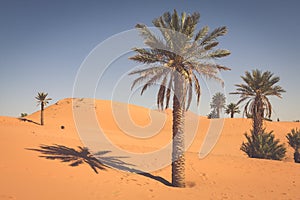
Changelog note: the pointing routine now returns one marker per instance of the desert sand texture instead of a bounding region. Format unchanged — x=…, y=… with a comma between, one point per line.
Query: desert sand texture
x=50, y=161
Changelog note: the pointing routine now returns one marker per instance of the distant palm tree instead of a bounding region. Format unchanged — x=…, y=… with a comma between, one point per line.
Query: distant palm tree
x=177, y=61
x=218, y=103
x=43, y=101
x=212, y=114
x=258, y=86
x=231, y=109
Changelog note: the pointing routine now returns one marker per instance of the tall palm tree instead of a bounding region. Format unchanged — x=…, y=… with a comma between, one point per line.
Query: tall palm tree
x=176, y=61
x=257, y=88
x=43, y=101
x=218, y=103
x=231, y=109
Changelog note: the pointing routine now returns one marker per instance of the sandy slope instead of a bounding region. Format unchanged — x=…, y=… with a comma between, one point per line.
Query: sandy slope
x=226, y=173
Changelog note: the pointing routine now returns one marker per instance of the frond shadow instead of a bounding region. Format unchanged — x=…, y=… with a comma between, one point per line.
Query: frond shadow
x=77, y=157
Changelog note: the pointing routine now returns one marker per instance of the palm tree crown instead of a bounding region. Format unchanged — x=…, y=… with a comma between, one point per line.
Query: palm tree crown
x=177, y=61
x=259, y=85
x=42, y=98
x=218, y=103
x=231, y=109
x=178, y=54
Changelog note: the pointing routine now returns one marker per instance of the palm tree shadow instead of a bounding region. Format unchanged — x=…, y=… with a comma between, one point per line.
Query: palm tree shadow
x=98, y=161
x=28, y=120
x=120, y=165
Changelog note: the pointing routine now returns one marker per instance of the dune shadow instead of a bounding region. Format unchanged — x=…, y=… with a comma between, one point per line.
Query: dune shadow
x=28, y=120
x=97, y=161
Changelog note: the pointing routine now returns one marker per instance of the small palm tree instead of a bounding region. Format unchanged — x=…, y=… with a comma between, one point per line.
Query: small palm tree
x=43, y=101
x=218, y=103
x=263, y=146
x=176, y=61
x=212, y=114
x=231, y=109
x=258, y=86
x=294, y=141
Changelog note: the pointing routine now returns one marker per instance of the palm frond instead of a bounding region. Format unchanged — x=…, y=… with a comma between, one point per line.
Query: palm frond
x=189, y=94
x=218, y=53
x=161, y=93
x=197, y=87
x=202, y=33
x=149, y=38
x=214, y=34
x=168, y=92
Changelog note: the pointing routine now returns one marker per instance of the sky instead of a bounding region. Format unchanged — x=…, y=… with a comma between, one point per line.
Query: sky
x=44, y=44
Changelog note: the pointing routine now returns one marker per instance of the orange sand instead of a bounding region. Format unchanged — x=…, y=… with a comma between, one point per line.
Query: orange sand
x=226, y=173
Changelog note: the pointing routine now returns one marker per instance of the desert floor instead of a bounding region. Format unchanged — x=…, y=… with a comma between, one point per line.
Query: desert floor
x=225, y=173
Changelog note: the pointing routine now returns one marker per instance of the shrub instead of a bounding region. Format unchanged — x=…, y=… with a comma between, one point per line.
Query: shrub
x=294, y=141
x=263, y=146
x=23, y=114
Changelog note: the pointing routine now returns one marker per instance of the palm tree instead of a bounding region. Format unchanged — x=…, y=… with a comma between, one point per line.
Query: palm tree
x=218, y=103
x=231, y=109
x=43, y=101
x=177, y=60
x=294, y=141
x=258, y=86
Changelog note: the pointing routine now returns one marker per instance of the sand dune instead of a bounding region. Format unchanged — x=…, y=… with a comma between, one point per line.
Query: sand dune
x=225, y=173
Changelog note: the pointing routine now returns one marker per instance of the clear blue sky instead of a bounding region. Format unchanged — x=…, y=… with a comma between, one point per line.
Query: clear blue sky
x=43, y=43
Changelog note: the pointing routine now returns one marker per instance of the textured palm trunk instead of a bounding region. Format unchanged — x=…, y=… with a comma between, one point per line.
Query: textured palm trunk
x=178, y=151
x=232, y=114
x=218, y=112
x=258, y=117
x=257, y=124
x=42, y=113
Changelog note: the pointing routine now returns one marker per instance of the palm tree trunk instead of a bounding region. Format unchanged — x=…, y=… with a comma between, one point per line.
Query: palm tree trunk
x=178, y=151
x=218, y=113
x=258, y=117
x=297, y=156
x=42, y=113
x=256, y=124
x=232, y=114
